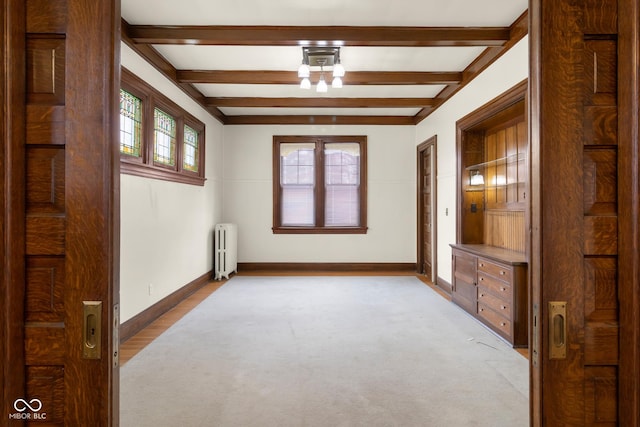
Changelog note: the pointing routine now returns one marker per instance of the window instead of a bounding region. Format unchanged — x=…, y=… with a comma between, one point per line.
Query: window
x=158, y=139
x=319, y=184
x=164, y=138
x=130, y=124
x=190, y=151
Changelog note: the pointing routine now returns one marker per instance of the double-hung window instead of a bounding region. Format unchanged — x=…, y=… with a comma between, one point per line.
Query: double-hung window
x=320, y=184
x=158, y=139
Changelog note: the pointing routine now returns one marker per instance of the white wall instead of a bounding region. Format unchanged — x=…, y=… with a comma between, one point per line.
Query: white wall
x=247, y=198
x=505, y=73
x=166, y=227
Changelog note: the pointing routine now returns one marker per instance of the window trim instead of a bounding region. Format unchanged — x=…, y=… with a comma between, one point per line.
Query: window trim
x=144, y=165
x=319, y=193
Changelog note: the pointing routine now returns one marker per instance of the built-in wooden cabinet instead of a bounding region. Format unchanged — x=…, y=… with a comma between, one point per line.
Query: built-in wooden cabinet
x=489, y=277
x=491, y=284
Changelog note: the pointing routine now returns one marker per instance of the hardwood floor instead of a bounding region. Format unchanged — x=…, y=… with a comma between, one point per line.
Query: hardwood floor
x=139, y=341
x=143, y=338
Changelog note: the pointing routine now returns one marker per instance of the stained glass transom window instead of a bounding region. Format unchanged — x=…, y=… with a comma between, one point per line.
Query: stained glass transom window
x=130, y=124
x=164, y=148
x=191, y=150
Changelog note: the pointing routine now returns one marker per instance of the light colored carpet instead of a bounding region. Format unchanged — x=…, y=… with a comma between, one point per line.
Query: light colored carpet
x=325, y=351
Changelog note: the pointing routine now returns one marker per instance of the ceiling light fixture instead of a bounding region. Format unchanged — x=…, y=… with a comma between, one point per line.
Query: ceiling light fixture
x=321, y=57
x=305, y=83
x=322, y=85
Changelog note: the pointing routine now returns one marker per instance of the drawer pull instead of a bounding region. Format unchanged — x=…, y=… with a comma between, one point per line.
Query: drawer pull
x=503, y=289
x=503, y=324
x=502, y=272
x=482, y=309
x=504, y=307
x=482, y=264
x=482, y=279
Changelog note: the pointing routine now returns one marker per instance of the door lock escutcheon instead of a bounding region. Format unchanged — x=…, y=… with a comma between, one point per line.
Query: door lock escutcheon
x=92, y=329
x=557, y=329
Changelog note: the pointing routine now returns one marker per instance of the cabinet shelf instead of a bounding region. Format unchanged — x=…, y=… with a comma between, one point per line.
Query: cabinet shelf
x=497, y=162
x=472, y=188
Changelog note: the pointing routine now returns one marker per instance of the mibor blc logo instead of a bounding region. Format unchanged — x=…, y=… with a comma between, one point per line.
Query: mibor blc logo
x=28, y=410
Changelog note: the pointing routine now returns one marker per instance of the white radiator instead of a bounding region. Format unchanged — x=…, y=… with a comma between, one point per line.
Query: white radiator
x=226, y=250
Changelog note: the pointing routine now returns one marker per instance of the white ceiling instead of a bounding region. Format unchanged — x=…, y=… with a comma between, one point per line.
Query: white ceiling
x=383, y=13
x=419, y=13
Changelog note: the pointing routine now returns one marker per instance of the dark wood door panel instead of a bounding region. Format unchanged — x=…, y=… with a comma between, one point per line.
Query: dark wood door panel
x=45, y=124
x=44, y=334
x=47, y=382
x=46, y=69
x=45, y=289
x=63, y=207
x=46, y=16
x=45, y=180
x=576, y=245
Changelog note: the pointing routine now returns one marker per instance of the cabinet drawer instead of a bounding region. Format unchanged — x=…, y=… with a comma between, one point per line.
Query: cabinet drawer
x=498, y=271
x=495, y=286
x=495, y=320
x=499, y=305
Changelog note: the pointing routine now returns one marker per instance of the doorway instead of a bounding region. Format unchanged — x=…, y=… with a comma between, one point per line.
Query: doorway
x=426, y=261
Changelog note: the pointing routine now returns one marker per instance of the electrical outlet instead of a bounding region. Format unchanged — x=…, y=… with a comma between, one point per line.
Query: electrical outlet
x=150, y=288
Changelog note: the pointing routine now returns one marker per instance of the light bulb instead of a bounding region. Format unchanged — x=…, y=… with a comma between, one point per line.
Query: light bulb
x=303, y=71
x=305, y=83
x=338, y=70
x=322, y=85
x=336, y=83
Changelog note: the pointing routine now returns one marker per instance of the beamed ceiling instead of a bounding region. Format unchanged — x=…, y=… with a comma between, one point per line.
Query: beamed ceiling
x=403, y=59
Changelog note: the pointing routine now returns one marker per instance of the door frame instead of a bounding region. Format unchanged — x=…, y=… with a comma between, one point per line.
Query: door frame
x=629, y=202
x=432, y=143
x=12, y=194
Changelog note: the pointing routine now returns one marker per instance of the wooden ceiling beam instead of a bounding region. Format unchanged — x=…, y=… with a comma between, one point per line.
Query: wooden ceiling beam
x=517, y=31
x=320, y=102
x=235, y=35
x=154, y=58
x=320, y=120
x=291, y=77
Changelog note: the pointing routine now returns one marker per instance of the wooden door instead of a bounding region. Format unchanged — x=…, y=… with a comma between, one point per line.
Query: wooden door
x=426, y=212
x=60, y=212
x=426, y=209
x=584, y=115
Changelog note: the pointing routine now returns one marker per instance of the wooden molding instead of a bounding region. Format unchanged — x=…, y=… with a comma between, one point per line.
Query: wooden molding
x=320, y=102
x=490, y=109
x=444, y=285
x=517, y=31
x=291, y=77
x=154, y=172
x=315, y=267
x=146, y=317
x=292, y=35
x=629, y=206
x=144, y=165
x=470, y=128
x=166, y=69
x=13, y=203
